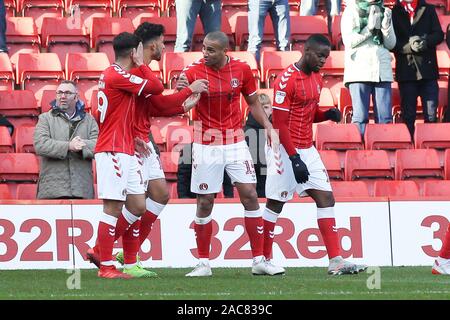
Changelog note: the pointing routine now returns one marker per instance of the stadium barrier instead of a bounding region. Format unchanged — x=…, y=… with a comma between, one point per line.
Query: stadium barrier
x=377, y=231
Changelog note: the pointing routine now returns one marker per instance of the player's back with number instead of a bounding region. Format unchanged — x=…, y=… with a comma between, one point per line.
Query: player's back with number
x=116, y=104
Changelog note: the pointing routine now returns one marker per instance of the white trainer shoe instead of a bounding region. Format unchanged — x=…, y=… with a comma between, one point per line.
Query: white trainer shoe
x=201, y=270
x=259, y=266
x=338, y=266
x=441, y=266
x=273, y=270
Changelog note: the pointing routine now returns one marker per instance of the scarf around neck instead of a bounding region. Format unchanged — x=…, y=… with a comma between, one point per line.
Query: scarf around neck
x=363, y=11
x=410, y=8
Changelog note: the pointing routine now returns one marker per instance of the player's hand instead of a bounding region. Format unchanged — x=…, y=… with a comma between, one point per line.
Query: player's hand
x=273, y=140
x=374, y=19
x=76, y=144
x=191, y=101
x=138, y=55
x=333, y=114
x=182, y=82
x=141, y=147
x=301, y=172
x=199, y=86
x=414, y=42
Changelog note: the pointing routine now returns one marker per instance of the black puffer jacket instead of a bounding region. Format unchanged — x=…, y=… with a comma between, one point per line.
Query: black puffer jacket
x=410, y=65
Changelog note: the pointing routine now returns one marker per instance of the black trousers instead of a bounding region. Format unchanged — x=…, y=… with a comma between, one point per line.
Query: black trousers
x=428, y=91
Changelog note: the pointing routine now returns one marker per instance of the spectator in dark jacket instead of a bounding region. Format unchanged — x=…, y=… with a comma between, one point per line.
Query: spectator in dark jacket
x=254, y=135
x=185, y=172
x=418, y=32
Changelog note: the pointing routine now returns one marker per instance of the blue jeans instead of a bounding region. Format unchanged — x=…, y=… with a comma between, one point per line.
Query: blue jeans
x=210, y=12
x=382, y=105
x=3, y=47
x=309, y=7
x=257, y=12
x=428, y=90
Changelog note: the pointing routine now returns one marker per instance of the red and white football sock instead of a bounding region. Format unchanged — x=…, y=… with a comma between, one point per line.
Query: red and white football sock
x=445, y=251
x=105, y=238
x=254, y=226
x=270, y=219
x=203, y=232
x=149, y=217
x=131, y=244
x=124, y=221
x=327, y=227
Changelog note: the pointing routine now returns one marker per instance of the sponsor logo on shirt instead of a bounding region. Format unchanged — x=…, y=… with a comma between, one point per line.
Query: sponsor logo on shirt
x=136, y=80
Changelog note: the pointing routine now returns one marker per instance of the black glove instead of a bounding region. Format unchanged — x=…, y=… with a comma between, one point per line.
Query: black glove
x=333, y=114
x=300, y=170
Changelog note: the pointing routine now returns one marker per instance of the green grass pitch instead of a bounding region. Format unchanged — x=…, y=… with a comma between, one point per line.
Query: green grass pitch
x=227, y=284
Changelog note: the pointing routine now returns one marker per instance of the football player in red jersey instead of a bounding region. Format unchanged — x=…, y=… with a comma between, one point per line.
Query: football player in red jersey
x=296, y=166
x=157, y=195
x=442, y=263
x=119, y=177
x=219, y=145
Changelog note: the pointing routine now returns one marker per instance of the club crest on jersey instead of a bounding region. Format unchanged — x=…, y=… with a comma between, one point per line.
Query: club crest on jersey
x=234, y=83
x=279, y=97
x=284, y=194
x=203, y=186
x=136, y=80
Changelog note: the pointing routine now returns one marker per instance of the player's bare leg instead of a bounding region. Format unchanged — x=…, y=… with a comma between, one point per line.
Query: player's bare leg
x=327, y=226
x=203, y=232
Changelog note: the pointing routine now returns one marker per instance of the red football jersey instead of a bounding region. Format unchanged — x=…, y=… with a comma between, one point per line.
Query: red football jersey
x=116, y=105
x=299, y=94
x=218, y=112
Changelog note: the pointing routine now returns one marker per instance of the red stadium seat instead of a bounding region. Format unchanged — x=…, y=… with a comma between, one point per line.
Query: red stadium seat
x=6, y=73
x=135, y=9
x=169, y=161
x=26, y=191
x=158, y=138
x=432, y=135
x=21, y=37
x=345, y=104
x=6, y=145
x=41, y=9
x=417, y=163
x=62, y=36
x=47, y=97
x=199, y=34
x=336, y=37
x=5, y=193
x=38, y=72
x=18, y=167
x=241, y=33
x=350, y=189
x=304, y=26
x=173, y=191
x=103, y=31
x=436, y=188
x=175, y=62
x=178, y=136
x=396, y=188
x=91, y=8
x=338, y=137
x=24, y=139
x=232, y=6
x=367, y=164
x=387, y=137
x=85, y=69
x=10, y=8
x=273, y=62
x=330, y=159
x=333, y=71
x=443, y=64
x=168, y=6
x=326, y=99
x=18, y=103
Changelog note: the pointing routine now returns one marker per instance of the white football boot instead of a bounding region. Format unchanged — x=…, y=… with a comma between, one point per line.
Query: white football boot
x=202, y=269
x=441, y=266
x=338, y=266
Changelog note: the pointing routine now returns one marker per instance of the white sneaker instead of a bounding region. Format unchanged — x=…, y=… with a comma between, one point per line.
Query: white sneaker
x=338, y=266
x=441, y=266
x=201, y=270
x=259, y=266
x=273, y=270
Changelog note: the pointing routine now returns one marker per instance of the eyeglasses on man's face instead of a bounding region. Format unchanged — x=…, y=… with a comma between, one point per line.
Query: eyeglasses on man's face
x=66, y=93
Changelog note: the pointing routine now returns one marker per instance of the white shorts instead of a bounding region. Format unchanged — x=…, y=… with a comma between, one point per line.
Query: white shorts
x=118, y=174
x=151, y=166
x=210, y=161
x=281, y=183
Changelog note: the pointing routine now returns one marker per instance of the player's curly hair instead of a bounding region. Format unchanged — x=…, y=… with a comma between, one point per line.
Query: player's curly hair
x=149, y=31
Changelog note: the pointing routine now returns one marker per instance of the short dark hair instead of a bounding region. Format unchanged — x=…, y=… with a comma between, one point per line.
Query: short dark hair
x=220, y=37
x=317, y=39
x=123, y=43
x=147, y=31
